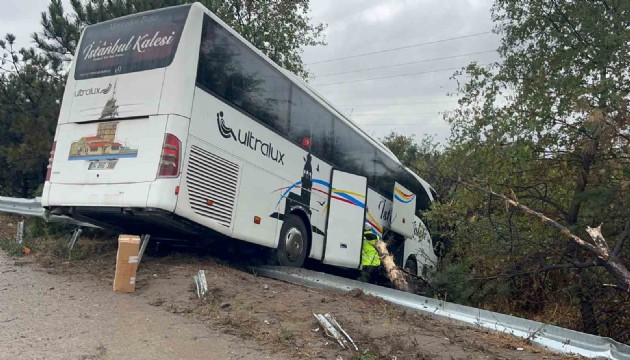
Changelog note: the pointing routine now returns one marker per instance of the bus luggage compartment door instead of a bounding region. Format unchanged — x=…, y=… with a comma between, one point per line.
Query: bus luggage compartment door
x=403, y=211
x=345, y=219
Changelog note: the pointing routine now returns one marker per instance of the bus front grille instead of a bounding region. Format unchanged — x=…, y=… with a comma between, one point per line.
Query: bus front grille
x=212, y=182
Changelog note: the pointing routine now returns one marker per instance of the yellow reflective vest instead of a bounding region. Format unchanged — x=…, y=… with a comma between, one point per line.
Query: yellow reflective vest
x=369, y=255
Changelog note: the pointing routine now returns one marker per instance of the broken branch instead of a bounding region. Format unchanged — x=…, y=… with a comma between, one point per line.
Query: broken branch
x=600, y=249
x=395, y=275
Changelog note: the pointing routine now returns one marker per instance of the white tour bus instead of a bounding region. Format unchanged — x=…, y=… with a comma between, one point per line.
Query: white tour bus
x=174, y=125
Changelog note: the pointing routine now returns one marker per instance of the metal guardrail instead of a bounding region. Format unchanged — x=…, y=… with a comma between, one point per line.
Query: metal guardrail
x=552, y=337
x=33, y=208
x=26, y=207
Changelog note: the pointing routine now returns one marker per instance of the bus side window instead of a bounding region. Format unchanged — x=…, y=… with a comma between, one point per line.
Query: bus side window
x=232, y=71
x=311, y=120
x=384, y=175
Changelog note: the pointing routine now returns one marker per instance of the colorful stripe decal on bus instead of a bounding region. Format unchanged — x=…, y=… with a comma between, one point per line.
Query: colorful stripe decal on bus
x=375, y=227
x=347, y=196
x=402, y=197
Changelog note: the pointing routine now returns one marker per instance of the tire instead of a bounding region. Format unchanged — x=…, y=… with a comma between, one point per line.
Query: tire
x=411, y=266
x=293, y=243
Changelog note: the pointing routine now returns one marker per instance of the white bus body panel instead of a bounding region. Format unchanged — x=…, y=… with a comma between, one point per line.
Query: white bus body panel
x=179, y=78
x=421, y=247
x=192, y=203
x=109, y=195
x=135, y=94
x=403, y=211
x=131, y=181
x=346, y=216
x=378, y=213
x=137, y=98
x=135, y=156
x=269, y=171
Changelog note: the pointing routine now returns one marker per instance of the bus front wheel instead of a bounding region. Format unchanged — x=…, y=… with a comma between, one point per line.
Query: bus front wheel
x=411, y=266
x=293, y=243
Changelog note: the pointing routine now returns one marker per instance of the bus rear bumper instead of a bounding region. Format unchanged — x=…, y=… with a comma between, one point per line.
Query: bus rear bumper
x=160, y=194
x=136, y=208
x=106, y=195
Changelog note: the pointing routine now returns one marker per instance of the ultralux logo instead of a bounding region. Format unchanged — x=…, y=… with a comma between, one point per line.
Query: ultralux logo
x=248, y=139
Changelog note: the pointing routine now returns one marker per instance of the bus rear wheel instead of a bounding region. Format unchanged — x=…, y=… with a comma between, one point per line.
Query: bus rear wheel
x=293, y=243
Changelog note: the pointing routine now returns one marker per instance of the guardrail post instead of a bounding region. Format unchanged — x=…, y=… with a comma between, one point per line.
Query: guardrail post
x=73, y=240
x=20, y=232
x=143, y=246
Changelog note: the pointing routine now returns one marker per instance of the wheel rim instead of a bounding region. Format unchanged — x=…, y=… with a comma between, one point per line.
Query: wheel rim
x=294, y=243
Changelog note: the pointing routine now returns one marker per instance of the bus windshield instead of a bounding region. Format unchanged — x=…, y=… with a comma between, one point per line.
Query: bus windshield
x=133, y=43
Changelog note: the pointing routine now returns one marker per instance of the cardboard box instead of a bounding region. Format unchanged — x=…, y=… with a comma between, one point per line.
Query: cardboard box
x=126, y=263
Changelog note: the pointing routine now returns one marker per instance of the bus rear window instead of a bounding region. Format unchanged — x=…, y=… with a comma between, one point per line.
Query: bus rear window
x=134, y=43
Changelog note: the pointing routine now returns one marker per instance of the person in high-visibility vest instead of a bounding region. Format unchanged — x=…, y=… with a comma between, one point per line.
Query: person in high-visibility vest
x=369, y=255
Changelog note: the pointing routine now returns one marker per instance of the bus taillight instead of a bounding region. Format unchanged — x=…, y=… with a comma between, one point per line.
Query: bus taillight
x=50, y=161
x=169, y=161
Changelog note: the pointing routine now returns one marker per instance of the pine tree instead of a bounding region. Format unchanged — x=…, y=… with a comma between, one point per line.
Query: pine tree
x=31, y=88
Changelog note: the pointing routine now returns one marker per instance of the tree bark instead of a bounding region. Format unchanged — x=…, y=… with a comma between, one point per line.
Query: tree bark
x=587, y=308
x=395, y=274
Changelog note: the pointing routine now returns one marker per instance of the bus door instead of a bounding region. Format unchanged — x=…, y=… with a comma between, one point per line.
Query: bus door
x=345, y=218
x=403, y=211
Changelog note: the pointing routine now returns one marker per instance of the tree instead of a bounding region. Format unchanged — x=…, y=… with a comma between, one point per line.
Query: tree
x=423, y=156
x=403, y=146
x=279, y=28
x=30, y=91
x=549, y=128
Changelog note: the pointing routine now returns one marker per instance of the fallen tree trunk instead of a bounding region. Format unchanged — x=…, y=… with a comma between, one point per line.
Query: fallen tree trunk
x=599, y=248
x=611, y=262
x=395, y=275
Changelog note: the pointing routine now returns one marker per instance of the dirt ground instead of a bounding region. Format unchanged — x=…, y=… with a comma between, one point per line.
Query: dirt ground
x=54, y=309
x=45, y=316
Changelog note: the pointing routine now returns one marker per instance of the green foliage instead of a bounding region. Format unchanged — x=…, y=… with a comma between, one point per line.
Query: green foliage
x=404, y=147
x=52, y=239
x=30, y=92
x=422, y=156
x=11, y=247
x=453, y=281
x=36, y=228
x=548, y=126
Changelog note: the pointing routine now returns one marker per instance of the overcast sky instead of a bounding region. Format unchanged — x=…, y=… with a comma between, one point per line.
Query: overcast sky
x=403, y=100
